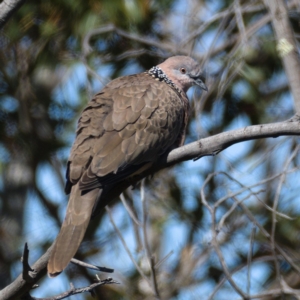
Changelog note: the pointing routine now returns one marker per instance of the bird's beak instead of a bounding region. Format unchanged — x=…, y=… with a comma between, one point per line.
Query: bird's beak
x=200, y=83
x=199, y=80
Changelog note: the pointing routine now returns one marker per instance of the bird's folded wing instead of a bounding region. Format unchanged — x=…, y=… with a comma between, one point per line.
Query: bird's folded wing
x=131, y=122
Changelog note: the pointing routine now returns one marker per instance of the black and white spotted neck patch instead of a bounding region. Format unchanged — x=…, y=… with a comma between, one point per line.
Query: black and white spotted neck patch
x=158, y=74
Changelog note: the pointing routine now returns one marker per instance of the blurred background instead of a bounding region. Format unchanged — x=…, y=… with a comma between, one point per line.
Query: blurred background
x=55, y=55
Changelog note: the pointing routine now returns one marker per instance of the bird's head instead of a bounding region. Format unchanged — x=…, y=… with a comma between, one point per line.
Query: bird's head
x=184, y=72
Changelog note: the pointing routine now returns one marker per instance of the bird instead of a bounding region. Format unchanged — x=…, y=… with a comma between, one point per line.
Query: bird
x=127, y=127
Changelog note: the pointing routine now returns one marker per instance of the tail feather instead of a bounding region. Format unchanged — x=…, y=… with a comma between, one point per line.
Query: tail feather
x=77, y=218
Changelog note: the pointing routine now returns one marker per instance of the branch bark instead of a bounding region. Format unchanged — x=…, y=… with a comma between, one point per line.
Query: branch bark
x=286, y=46
x=75, y=291
x=7, y=8
x=205, y=147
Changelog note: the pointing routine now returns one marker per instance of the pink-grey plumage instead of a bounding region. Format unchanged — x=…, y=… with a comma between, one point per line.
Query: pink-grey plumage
x=125, y=128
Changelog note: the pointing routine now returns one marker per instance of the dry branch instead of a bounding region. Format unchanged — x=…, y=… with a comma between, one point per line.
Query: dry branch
x=74, y=291
x=286, y=46
x=7, y=8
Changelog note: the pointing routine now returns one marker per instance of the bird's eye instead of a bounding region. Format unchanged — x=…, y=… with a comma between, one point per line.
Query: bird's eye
x=183, y=70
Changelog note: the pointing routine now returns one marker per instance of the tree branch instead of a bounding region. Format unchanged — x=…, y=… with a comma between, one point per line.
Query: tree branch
x=7, y=8
x=22, y=286
x=75, y=291
x=204, y=147
x=214, y=144
x=89, y=266
x=286, y=46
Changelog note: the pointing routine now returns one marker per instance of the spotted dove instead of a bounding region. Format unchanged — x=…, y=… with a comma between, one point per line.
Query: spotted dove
x=123, y=130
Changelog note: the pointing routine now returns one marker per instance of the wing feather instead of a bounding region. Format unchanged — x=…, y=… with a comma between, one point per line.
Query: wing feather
x=133, y=121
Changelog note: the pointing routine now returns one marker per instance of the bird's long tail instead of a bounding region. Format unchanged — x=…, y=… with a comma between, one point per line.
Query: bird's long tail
x=77, y=218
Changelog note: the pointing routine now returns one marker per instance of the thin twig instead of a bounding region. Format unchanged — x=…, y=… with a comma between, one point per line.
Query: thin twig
x=216, y=246
x=125, y=245
x=159, y=263
x=275, y=204
x=75, y=291
x=286, y=46
x=150, y=257
x=249, y=258
x=267, y=235
x=214, y=241
x=240, y=21
x=135, y=221
x=130, y=211
x=235, y=270
x=92, y=267
x=232, y=209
